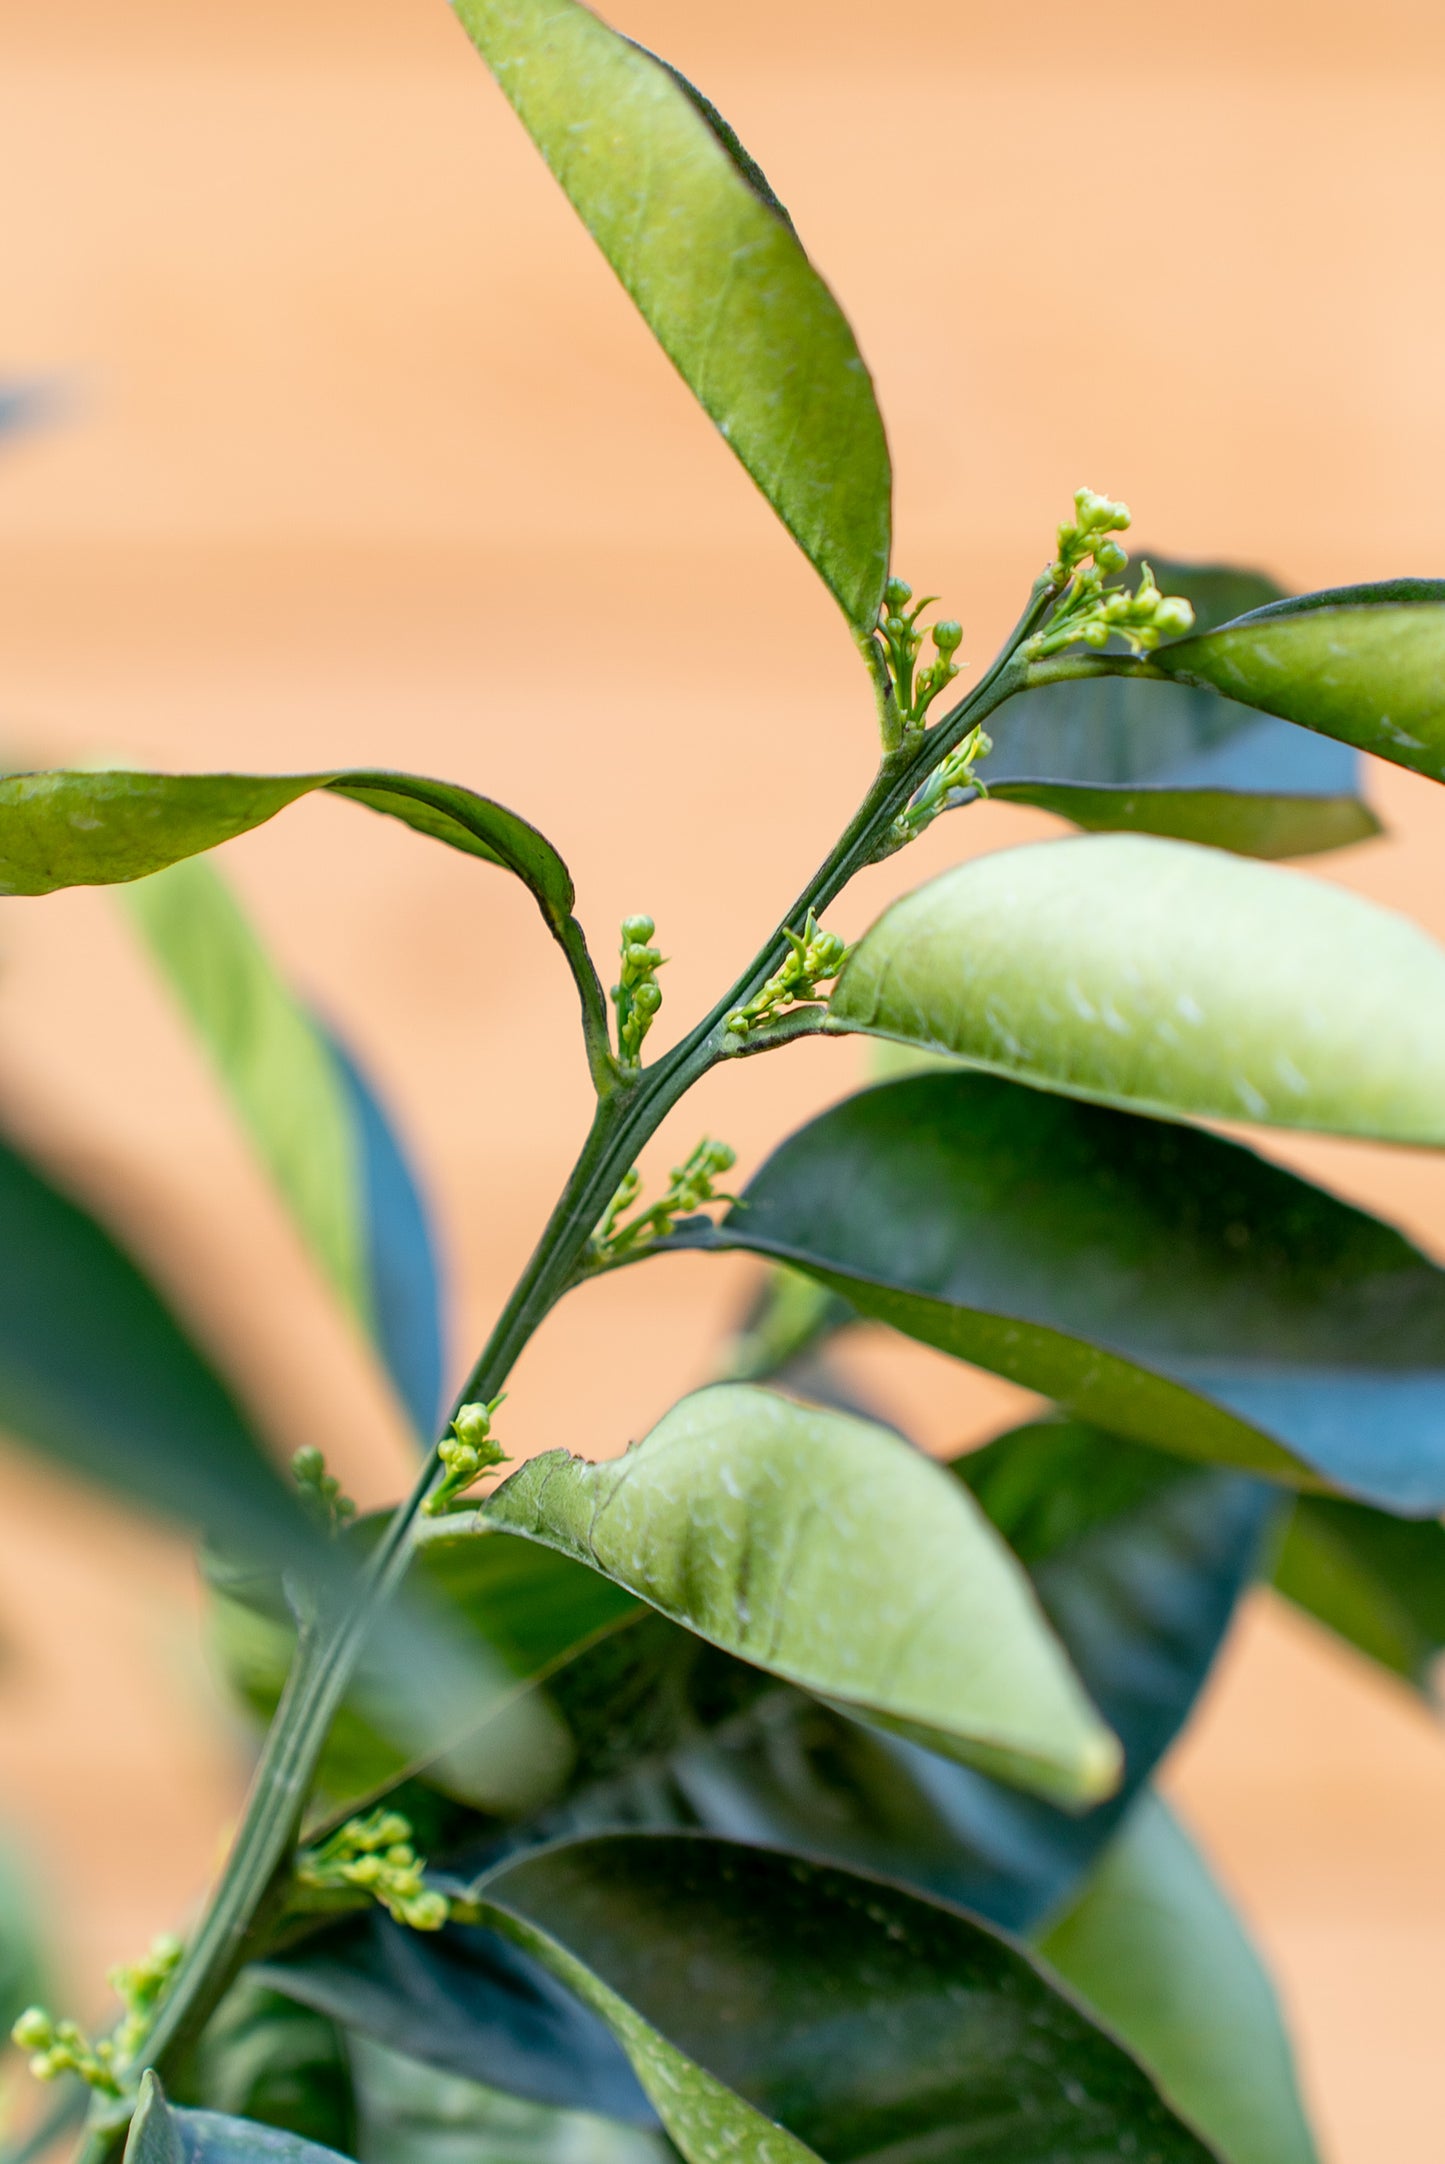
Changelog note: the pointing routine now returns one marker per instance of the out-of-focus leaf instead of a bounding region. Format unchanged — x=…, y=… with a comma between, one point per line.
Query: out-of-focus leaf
x=1173, y=759
x=401, y=1253
x=824, y=1550
x=1165, y=1283
x=778, y=2009
x=1166, y=978
x=1373, y=1580
x=1363, y=664
x=512, y=1613
x=411, y=2114
x=97, y=1373
x=312, y=1117
x=264, y=2057
x=711, y=258
x=162, y=2133
x=278, y=1071
x=1154, y=1948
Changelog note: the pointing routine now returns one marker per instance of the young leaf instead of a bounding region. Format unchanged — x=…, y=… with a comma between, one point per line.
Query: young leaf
x=314, y=1120
x=1112, y=754
x=162, y=2133
x=1364, y=664
x=96, y=1372
x=1374, y=1581
x=84, y=829
x=1160, y=1281
x=777, y=2009
x=712, y=260
x=1171, y=979
x=824, y=1550
x=1155, y=1949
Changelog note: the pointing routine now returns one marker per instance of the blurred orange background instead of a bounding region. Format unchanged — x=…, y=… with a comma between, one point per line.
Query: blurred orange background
x=360, y=456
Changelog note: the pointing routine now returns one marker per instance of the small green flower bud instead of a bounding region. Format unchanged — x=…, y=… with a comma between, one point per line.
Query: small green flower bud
x=737, y=1022
x=641, y=958
x=473, y=1424
x=647, y=998
x=1110, y=557
x=308, y=1464
x=1095, y=634
x=637, y=931
x=896, y=595
x=948, y=636
x=425, y=1912
x=33, y=2031
x=1173, y=615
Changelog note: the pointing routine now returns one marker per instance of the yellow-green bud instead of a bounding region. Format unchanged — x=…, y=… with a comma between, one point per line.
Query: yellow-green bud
x=1110, y=557
x=948, y=636
x=647, y=998
x=308, y=1463
x=637, y=931
x=896, y=595
x=1173, y=615
x=33, y=2031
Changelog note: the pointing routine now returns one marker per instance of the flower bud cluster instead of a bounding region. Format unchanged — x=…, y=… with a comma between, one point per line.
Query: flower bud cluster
x=813, y=959
x=62, y=2047
x=637, y=995
x=1088, y=612
x=914, y=690
x=691, y=1187
x=321, y=1491
x=953, y=781
x=375, y=1855
x=470, y=1450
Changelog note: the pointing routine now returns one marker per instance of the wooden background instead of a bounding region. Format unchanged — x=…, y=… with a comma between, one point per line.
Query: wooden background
x=360, y=456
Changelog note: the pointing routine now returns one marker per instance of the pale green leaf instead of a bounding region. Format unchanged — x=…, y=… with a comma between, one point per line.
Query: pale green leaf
x=1160, y=977
x=823, y=1549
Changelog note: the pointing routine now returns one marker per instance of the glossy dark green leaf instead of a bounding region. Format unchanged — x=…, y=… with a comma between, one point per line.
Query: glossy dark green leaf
x=312, y=1117
x=712, y=260
x=779, y=2009
x=1363, y=664
x=83, y=829
x=1109, y=753
x=1150, y=974
x=1155, y=1279
x=412, y=2114
x=1154, y=1948
x=1375, y=1581
x=162, y=2133
x=97, y=1373
x=821, y=1548
x=264, y=2057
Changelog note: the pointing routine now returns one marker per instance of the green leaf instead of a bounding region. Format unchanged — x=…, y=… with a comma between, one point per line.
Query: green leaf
x=279, y=1073
x=1374, y=1581
x=162, y=2133
x=1113, y=754
x=711, y=259
x=411, y=2114
x=514, y=1614
x=778, y=2009
x=824, y=1550
x=98, y=1374
x=1159, y=1281
x=1155, y=1949
x=1148, y=974
x=312, y=1117
x=84, y=829
x=263, y=2057
x=1250, y=824
x=1364, y=664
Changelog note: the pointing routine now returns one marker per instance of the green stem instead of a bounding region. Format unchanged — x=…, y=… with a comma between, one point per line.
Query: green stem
x=625, y=1120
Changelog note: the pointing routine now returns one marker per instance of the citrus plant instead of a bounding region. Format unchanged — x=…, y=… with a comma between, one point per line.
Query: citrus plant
x=773, y=1792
